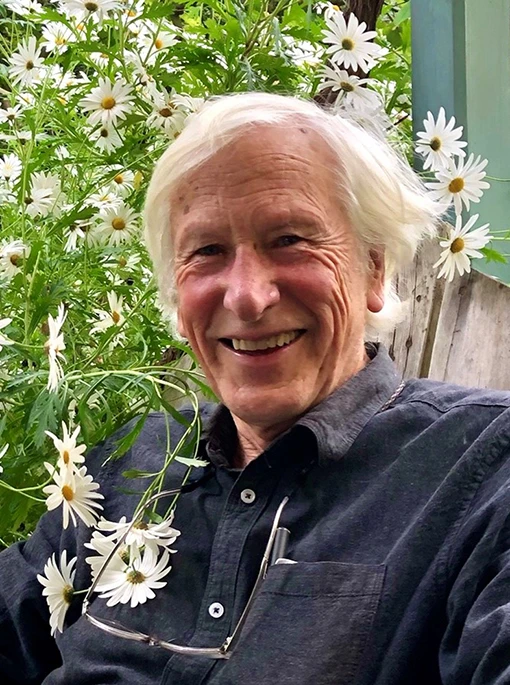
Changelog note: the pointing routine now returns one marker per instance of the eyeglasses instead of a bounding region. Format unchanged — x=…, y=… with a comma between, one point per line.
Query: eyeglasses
x=273, y=549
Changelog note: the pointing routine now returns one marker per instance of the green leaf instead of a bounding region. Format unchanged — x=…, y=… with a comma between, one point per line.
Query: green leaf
x=493, y=255
x=403, y=14
x=191, y=461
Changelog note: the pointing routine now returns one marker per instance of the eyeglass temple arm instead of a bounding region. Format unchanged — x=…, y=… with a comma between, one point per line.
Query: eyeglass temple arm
x=231, y=641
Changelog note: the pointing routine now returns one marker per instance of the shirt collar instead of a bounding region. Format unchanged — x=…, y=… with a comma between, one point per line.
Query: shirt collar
x=335, y=422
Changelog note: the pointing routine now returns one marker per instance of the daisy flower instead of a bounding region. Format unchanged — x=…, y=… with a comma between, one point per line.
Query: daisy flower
x=351, y=44
x=79, y=229
x=75, y=492
x=26, y=65
x=136, y=583
x=169, y=113
x=351, y=92
x=440, y=141
x=56, y=37
x=113, y=317
x=152, y=41
x=10, y=114
x=150, y=535
x=461, y=183
x=117, y=224
x=104, y=546
x=10, y=167
x=54, y=346
x=123, y=182
x=3, y=339
x=58, y=589
x=23, y=7
x=45, y=196
x=108, y=103
x=86, y=9
x=11, y=255
x=104, y=199
x=2, y=454
x=70, y=453
x=461, y=245
x=106, y=138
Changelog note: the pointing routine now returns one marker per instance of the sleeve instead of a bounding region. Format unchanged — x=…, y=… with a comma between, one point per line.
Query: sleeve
x=475, y=649
x=28, y=652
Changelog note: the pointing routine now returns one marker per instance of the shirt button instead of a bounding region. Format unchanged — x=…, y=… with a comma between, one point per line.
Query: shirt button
x=248, y=496
x=216, y=610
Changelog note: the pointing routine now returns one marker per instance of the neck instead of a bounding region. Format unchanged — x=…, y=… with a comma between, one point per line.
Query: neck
x=253, y=440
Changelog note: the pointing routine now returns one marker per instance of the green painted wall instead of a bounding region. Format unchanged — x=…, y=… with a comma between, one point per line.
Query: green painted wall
x=461, y=60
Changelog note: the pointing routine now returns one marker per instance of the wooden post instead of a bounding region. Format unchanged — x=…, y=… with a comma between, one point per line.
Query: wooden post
x=461, y=61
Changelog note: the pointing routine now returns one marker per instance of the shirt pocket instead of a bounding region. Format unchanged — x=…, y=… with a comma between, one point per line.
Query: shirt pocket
x=309, y=624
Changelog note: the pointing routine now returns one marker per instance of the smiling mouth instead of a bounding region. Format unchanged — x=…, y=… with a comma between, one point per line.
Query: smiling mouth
x=264, y=345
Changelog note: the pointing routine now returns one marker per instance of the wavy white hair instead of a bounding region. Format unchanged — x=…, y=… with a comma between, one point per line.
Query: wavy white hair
x=387, y=205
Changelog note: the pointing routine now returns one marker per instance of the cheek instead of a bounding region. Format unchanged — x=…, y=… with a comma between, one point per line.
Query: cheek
x=329, y=283
x=197, y=298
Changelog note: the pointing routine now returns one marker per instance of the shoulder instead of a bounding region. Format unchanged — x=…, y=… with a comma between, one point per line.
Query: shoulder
x=445, y=397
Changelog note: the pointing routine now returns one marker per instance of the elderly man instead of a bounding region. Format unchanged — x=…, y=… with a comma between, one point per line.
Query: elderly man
x=275, y=228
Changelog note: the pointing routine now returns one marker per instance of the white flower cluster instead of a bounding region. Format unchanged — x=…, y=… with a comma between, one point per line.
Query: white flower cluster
x=458, y=182
x=351, y=48
x=142, y=557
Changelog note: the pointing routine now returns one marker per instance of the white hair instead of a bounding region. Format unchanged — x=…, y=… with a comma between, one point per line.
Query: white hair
x=386, y=203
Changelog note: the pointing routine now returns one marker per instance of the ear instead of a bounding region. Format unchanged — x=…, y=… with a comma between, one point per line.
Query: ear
x=375, y=285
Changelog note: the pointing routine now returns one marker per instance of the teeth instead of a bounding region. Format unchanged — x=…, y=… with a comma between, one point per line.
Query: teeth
x=275, y=341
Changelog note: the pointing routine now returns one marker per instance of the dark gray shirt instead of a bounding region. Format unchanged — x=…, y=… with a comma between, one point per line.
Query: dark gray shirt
x=399, y=526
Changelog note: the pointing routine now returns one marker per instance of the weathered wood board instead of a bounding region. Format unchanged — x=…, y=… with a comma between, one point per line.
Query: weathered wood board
x=457, y=332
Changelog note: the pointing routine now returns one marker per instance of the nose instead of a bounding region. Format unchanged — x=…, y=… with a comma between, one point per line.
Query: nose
x=250, y=288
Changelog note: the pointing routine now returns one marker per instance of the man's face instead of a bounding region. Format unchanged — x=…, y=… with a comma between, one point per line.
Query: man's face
x=272, y=286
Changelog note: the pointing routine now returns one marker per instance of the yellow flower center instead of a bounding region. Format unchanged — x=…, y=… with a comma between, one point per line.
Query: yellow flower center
x=60, y=40
x=118, y=224
x=103, y=55
x=131, y=13
x=158, y=43
x=435, y=143
x=347, y=44
x=119, y=178
x=141, y=525
x=135, y=577
x=457, y=245
x=115, y=317
x=67, y=493
x=456, y=185
x=122, y=262
x=108, y=102
x=67, y=593
x=346, y=86
x=65, y=456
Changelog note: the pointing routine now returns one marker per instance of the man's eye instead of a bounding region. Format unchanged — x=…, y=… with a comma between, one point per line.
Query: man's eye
x=209, y=251
x=288, y=240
